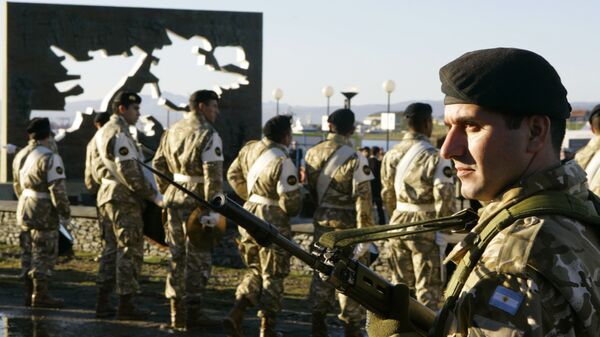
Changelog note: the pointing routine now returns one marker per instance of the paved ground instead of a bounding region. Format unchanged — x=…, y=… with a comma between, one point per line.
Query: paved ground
x=74, y=281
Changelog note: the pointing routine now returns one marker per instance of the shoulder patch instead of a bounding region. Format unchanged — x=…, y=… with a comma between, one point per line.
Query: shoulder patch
x=123, y=151
x=59, y=170
x=213, y=150
x=506, y=300
x=362, y=171
x=218, y=151
x=292, y=180
x=443, y=172
x=366, y=169
x=448, y=171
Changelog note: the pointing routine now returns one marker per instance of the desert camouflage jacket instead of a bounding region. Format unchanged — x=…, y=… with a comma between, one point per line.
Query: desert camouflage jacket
x=91, y=181
x=191, y=148
x=43, y=174
x=428, y=181
x=277, y=181
x=539, y=276
x=121, y=151
x=347, y=203
x=584, y=156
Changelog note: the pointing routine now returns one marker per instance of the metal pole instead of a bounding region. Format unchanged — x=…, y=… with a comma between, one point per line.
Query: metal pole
x=327, y=106
x=277, y=107
x=387, y=140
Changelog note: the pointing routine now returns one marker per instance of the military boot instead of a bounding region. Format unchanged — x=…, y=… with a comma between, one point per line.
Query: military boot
x=40, y=297
x=352, y=330
x=103, y=307
x=267, y=326
x=28, y=291
x=196, y=318
x=319, y=326
x=233, y=322
x=128, y=311
x=177, y=314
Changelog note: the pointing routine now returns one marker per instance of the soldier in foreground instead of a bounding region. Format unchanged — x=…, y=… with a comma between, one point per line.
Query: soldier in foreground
x=588, y=157
x=264, y=176
x=528, y=275
x=121, y=197
x=190, y=152
x=339, y=181
x=39, y=183
x=108, y=258
x=417, y=186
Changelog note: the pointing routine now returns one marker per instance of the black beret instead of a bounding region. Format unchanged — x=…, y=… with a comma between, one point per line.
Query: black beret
x=341, y=117
x=415, y=109
x=101, y=118
x=127, y=98
x=203, y=96
x=594, y=111
x=506, y=80
x=39, y=128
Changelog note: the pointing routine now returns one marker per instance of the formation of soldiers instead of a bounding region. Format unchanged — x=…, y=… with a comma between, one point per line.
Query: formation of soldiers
x=529, y=266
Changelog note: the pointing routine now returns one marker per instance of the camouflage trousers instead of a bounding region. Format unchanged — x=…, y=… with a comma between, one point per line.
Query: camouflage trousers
x=39, y=251
x=268, y=267
x=322, y=294
x=108, y=259
x=128, y=227
x=190, y=266
x=416, y=262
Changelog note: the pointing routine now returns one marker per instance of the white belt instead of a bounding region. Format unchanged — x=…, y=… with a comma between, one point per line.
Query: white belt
x=262, y=200
x=346, y=207
x=34, y=194
x=182, y=178
x=406, y=207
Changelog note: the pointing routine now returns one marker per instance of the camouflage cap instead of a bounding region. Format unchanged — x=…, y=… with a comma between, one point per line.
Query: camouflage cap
x=506, y=80
x=39, y=128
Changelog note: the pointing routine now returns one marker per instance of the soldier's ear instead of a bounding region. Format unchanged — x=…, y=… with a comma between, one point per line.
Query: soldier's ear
x=538, y=128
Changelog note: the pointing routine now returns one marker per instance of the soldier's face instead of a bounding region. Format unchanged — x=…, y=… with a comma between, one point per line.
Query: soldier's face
x=131, y=114
x=489, y=157
x=210, y=110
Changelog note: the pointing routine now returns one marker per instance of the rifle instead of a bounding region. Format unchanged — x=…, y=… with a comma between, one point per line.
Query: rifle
x=347, y=275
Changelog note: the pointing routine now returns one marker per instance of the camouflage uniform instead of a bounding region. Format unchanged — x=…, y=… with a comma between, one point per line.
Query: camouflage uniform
x=39, y=183
x=274, y=197
x=191, y=153
x=585, y=158
x=425, y=191
x=538, y=276
x=108, y=258
x=121, y=198
x=347, y=203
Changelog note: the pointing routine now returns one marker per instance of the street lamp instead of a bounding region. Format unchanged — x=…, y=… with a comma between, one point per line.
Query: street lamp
x=277, y=94
x=327, y=92
x=349, y=94
x=389, y=86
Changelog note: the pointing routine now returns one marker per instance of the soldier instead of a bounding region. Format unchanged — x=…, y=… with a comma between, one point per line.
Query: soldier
x=264, y=176
x=588, y=157
x=39, y=183
x=121, y=198
x=339, y=182
x=108, y=258
x=530, y=265
x=417, y=186
x=191, y=153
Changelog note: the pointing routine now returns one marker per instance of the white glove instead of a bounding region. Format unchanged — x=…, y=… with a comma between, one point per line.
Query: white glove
x=158, y=200
x=360, y=250
x=10, y=148
x=210, y=220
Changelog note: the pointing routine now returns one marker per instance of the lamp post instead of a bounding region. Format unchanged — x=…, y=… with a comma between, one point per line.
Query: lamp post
x=327, y=92
x=349, y=94
x=277, y=95
x=389, y=86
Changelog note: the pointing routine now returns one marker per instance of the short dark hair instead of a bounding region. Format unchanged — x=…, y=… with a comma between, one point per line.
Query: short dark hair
x=278, y=127
x=417, y=116
x=39, y=128
x=201, y=96
x=101, y=118
x=557, y=128
x=342, y=121
x=375, y=150
x=366, y=148
x=125, y=98
x=595, y=118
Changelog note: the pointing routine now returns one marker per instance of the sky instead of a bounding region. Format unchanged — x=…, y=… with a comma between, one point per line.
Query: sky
x=345, y=43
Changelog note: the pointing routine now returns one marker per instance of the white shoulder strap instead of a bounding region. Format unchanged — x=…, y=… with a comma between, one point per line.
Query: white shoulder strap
x=30, y=161
x=592, y=167
x=407, y=159
x=339, y=157
x=261, y=162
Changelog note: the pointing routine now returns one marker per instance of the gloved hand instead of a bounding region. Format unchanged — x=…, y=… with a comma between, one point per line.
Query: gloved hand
x=10, y=148
x=210, y=220
x=397, y=326
x=158, y=200
x=360, y=250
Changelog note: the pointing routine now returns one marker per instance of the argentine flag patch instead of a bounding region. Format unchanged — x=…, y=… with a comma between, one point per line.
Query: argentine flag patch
x=506, y=300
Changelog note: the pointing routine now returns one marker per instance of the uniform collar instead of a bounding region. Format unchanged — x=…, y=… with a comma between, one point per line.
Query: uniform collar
x=269, y=144
x=337, y=138
x=411, y=135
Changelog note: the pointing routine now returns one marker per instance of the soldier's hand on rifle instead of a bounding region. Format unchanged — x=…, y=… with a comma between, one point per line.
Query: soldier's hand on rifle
x=360, y=250
x=397, y=326
x=210, y=220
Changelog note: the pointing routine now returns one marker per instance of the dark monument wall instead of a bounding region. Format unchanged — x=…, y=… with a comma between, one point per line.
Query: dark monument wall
x=33, y=69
